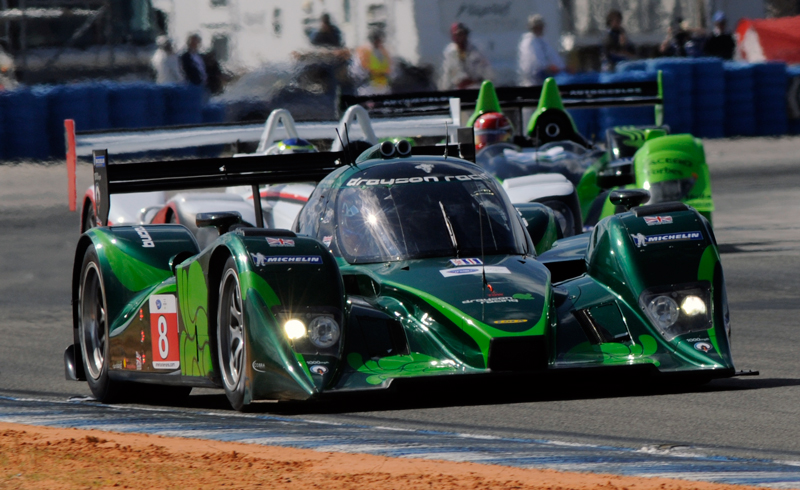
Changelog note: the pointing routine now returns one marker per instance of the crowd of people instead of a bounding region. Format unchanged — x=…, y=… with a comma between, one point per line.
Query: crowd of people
x=464, y=65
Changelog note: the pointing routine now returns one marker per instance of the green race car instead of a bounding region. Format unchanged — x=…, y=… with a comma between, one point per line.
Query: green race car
x=404, y=264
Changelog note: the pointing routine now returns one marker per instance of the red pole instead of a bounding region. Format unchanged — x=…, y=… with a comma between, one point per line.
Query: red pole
x=72, y=163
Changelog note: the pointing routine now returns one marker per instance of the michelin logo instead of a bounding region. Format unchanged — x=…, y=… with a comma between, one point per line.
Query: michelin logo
x=473, y=271
x=260, y=260
x=641, y=240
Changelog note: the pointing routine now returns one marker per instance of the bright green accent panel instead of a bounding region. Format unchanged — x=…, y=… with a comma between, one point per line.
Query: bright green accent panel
x=196, y=357
x=550, y=99
x=167, y=287
x=525, y=296
x=614, y=353
x=479, y=331
x=251, y=280
x=487, y=102
x=133, y=274
x=385, y=368
x=676, y=157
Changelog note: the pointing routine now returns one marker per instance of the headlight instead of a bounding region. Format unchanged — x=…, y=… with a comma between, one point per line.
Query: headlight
x=678, y=310
x=664, y=311
x=323, y=331
x=294, y=329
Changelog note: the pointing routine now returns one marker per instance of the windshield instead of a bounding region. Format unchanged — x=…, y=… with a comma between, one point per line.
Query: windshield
x=433, y=218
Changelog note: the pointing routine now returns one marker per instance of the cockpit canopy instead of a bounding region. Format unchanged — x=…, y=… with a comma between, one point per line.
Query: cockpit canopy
x=413, y=209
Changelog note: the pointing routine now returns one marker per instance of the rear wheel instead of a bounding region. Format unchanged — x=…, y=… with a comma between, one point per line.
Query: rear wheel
x=231, y=336
x=89, y=220
x=93, y=329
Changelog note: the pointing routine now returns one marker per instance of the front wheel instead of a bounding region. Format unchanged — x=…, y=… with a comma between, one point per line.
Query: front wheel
x=231, y=337
x=93, y=329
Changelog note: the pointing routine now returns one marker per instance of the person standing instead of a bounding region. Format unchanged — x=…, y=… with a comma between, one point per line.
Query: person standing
x=464, y=66
x=166, y=63
x=327, y=35
x=372, y=65
x=720, y=44
x=192, y=63
x=616, y=47
x=537, y=59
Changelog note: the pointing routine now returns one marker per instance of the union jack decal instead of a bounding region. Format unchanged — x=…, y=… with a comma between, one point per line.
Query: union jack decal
x=280, y=242
x=657, y=220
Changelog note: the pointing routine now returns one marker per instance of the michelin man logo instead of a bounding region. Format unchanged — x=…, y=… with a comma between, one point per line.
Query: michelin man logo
x=639, y=240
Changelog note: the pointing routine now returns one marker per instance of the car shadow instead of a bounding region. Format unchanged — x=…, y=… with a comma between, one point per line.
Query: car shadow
x=439, y=393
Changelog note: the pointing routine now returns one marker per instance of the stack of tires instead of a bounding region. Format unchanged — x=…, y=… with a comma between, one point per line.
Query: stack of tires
x=708, y=118
x=128, y=105
x=585, y=119
x=66, y=102
x=678, y=92
x=771, y=82
x=635, y=65
x=183, y=104
x=25, y=123
x=626, y=116
x=98, y=100
x=740, y=111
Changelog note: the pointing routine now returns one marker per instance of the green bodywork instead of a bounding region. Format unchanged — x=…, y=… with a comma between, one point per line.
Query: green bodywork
x=407, y=318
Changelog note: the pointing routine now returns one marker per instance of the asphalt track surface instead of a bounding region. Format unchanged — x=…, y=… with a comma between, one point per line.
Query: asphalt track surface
x=756, y=185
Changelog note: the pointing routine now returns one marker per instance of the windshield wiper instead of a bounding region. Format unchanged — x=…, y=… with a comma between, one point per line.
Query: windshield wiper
x=449, y=228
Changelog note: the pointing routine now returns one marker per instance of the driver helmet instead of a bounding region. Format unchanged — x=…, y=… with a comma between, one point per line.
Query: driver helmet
x=291, y=145
x=492, y=128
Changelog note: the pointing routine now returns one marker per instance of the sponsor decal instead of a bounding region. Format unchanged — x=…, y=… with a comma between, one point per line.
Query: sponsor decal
x=164, y=331
x=523, y=296
x=259, y=366
x=458, y=262
x=327, y=240
x=413, y=180
x=117, y=365
x=100, y=161
x=490, y=301
x=280, y=242
x=643, y=240
x=657, y=220
x=698, y=340
x=471, y=271
x=147, y=240
x=261, y=260
x=509, y=322
x=318, y=369
x=703, y=346
x=425, y=167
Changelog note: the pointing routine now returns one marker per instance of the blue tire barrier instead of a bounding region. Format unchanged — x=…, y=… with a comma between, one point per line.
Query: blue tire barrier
x=156, y=115
x=183, y=104
x=678, y=104
x=66, y=102
x=26, y=124
x=577, y=78
x=99, y=114
x=609, y=117
x=128, y=105
x=770, y=84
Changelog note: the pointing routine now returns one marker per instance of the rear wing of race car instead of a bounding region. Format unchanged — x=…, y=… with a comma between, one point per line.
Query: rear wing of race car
x=251, y=170
x=578, y=96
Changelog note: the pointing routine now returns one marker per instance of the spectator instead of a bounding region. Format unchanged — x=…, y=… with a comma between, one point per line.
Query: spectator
x=720, y=43
x=464, y=66
x=194, y=68
x=372, y=65
x=537, y=59
x=216, y=76
x=616, y=47
x=327, y=35
x=675, y=42
x=166, y=63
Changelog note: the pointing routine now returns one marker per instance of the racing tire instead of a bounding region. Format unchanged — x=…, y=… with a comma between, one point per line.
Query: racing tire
x=232, y=337
x=89, y=220
x=93, y=330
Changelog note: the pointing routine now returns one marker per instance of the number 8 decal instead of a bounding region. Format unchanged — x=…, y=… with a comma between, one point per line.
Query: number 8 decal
x=163, y=341
x=164, y=333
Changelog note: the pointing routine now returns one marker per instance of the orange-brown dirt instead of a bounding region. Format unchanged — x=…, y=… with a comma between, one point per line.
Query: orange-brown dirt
x=41, y=457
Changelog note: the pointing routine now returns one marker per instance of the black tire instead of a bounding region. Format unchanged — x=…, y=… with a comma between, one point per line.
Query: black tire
x=232, y=336
x=93, y=330
x=89, y=220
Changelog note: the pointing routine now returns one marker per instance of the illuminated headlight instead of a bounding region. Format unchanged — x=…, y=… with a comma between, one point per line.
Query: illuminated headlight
x=294, y=329
x=678, y=310
x=323, y=331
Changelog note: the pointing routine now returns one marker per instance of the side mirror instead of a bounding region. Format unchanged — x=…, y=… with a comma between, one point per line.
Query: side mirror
x=629, y=198
x=222, y=221
x=616, y=174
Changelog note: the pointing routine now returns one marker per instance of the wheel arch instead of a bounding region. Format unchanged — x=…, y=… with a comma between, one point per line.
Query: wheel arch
x=216, y=265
